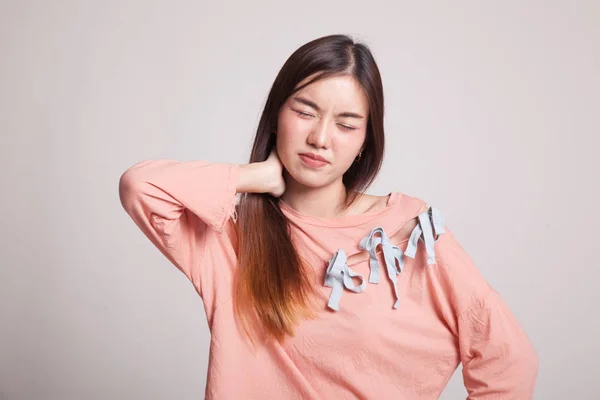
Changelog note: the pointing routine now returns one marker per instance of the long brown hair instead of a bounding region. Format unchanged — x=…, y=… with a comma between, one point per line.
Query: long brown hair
x=274, y=289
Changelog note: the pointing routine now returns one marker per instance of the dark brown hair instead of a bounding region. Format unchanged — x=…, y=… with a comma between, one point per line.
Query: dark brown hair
x=273, y=288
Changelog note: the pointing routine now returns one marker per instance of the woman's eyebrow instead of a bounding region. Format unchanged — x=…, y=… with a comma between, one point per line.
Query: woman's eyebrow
x=314, y=106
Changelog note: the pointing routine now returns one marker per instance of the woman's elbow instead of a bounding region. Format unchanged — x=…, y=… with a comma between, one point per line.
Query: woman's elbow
x=131, y=186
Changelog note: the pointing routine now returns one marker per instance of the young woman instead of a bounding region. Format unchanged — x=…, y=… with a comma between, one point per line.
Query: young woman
x=312, y=288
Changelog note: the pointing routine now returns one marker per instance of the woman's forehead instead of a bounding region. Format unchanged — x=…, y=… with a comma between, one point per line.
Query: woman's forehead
x=337, y=92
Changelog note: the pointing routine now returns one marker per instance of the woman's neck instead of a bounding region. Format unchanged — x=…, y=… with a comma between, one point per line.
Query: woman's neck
x=322, y=202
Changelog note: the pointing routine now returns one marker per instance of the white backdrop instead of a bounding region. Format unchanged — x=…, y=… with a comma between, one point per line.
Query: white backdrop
x=491, y=115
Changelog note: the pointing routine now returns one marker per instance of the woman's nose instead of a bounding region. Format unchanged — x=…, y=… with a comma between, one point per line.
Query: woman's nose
x=320, y=136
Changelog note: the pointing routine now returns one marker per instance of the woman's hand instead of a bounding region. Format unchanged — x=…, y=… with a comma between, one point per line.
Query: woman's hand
x=274, y=174
x=262, y=177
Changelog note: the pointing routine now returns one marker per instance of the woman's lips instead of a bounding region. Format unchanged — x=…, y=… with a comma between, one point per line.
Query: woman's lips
x=311, y=162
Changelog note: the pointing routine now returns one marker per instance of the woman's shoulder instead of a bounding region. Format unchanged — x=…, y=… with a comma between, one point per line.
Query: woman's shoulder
x=409, y=207
x=410, y=202
x=368, y=203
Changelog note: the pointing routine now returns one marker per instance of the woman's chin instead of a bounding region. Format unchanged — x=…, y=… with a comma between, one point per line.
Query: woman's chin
x=309, y=178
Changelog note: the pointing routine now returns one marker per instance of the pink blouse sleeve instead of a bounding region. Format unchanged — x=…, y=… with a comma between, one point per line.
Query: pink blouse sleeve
x=175, y=204
x=499, y=361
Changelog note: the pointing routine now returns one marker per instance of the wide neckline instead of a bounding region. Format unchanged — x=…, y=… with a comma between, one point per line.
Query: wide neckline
x=337, y=222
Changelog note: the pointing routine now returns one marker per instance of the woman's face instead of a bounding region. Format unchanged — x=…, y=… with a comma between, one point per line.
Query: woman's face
x=327, y=119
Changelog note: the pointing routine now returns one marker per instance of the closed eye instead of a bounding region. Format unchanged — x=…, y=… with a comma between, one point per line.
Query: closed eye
x=307, y=115
x=346, y=127
x=303, y=114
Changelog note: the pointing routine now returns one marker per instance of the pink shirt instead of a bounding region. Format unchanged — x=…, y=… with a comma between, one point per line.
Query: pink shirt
x=402, y=337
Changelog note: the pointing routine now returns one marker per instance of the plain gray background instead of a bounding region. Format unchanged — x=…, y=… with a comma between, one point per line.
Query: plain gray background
x=492, y=115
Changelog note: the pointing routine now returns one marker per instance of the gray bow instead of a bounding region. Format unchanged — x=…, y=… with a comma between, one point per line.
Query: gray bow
x=391, y=254
x=425, y=231
x=338, y=276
